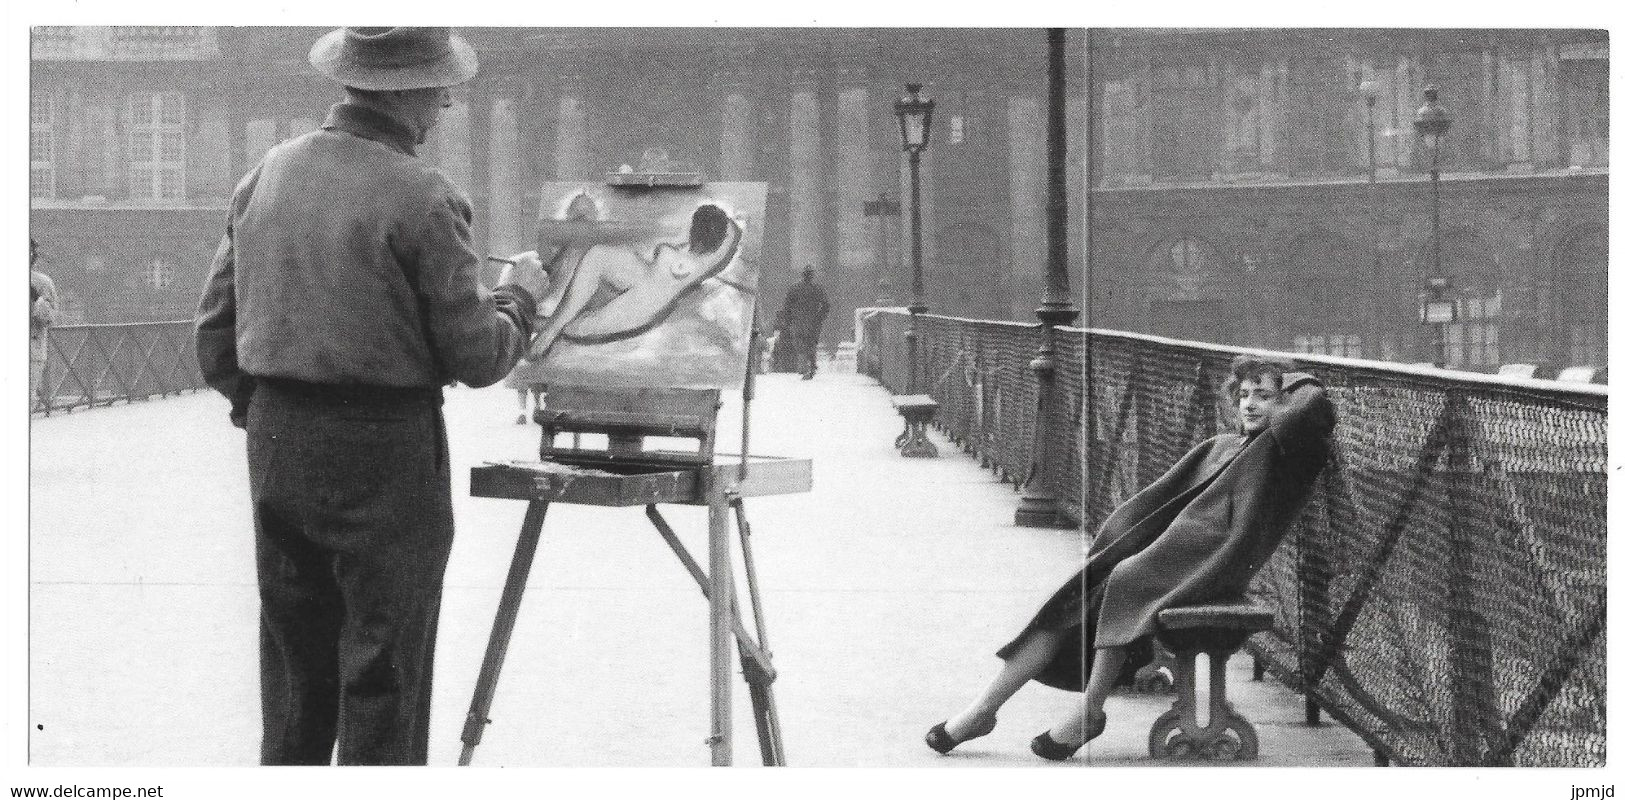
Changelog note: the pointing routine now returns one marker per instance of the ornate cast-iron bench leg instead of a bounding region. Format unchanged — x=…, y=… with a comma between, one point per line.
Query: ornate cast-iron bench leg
x=1219, y=631
x=917, y=411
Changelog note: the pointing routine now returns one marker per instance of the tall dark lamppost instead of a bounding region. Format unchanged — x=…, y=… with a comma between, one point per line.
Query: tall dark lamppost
x=1368, y=90
x=1040, y=502
x=914, y=119
x=1432, y=123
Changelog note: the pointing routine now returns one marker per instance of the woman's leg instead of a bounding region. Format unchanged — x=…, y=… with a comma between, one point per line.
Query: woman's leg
x=1027, y=661
x=1071, y=729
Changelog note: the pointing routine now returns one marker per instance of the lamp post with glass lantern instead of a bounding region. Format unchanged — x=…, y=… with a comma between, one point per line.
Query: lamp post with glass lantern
x=914, y=120
x=1040, y=499
x=1432, y=123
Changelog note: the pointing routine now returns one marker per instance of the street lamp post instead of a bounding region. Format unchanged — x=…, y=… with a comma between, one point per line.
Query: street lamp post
x=1040, y=501
x=1432, y=123
x=914, y=119
x=1368, y=89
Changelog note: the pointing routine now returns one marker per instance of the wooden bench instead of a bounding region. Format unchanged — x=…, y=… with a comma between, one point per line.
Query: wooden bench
x=917, y=411
x=1217, y=630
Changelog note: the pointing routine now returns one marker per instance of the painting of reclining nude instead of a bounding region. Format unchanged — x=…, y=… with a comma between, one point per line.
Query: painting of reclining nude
x=650, y=286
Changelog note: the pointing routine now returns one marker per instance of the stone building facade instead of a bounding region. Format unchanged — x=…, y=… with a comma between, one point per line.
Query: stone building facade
x=1240, y=198
x=1233, y=199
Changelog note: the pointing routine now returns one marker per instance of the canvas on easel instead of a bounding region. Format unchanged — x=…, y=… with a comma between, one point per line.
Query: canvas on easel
x=650, y=286
x=649, y=315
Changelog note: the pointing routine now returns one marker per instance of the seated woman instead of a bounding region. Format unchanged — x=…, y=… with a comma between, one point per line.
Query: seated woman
x=1196, y=535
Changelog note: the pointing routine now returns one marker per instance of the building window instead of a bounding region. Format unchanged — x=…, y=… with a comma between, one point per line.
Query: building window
x=1585, y=111
x=1318, y=295
x=1193, y=266
x=160, y=274
x=1337, y=344
x=1474, y=340
x=52, y=41
x=1320, y=131
x=42, y=145
x=1463, y=90
x=1581, y=275
x=155, y=41
x=1184, y=121
x=158, y=146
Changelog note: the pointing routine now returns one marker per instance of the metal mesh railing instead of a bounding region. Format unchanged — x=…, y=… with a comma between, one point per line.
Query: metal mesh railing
x=92, y=365
x=1444, y=593
x=979, y=373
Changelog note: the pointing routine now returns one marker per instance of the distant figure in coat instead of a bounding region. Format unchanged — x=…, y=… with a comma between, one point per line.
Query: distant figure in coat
x=801, y=322
x=1196, y=535
x=41, y=316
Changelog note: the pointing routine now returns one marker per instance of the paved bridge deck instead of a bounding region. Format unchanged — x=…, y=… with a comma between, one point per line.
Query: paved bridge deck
x=886, y=590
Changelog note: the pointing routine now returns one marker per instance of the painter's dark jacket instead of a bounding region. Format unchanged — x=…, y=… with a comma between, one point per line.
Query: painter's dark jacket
x=369, y=279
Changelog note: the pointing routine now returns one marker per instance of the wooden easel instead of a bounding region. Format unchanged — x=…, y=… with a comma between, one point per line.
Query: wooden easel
x=627, y=474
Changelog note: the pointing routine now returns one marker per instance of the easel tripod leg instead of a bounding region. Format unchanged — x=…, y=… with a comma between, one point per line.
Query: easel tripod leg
x=496, y=648
x=761, y=686
x=754, y=659
x=722, y=617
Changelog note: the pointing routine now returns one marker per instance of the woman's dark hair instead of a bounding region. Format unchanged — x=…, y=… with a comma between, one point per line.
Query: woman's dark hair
x=1252, y=367
x=707, y=229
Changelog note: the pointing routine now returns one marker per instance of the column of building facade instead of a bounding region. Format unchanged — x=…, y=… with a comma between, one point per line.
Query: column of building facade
x=736, y=127
x=570, y=133
x=208, y=146
x=1406, y=98
x=1272, y=120
x=1081, y=144
x=505, y=173
x=853, y=272
x=807, y=206
x=1024, y=122
x=449, y=145
x=1544, y=101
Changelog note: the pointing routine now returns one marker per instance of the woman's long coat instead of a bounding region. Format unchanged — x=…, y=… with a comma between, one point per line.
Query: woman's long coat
x=1199, y=533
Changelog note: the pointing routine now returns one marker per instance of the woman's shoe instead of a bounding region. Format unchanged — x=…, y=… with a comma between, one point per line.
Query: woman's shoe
x=938, y=739
x=1045, y=746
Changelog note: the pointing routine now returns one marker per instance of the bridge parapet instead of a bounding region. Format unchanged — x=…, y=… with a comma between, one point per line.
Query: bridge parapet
x=91, y=365
x=1444, y=594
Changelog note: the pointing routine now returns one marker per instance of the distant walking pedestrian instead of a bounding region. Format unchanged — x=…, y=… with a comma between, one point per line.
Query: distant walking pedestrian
x=42, y=307
x=343, y=297
x=801, y=321
x=1196, y=535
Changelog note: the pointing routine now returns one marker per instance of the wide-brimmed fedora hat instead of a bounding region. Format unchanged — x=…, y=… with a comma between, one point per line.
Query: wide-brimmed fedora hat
x=391, y=59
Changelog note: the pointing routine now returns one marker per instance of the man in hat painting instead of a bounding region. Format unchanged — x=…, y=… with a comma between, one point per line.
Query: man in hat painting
x=343, y=297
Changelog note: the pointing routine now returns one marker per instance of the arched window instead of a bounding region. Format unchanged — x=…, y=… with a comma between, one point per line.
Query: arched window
x=1319, y=294
x=1581, y=274
x=160, y=273
x=1193, y=265
x=1190, y=305
x=1474, y=340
